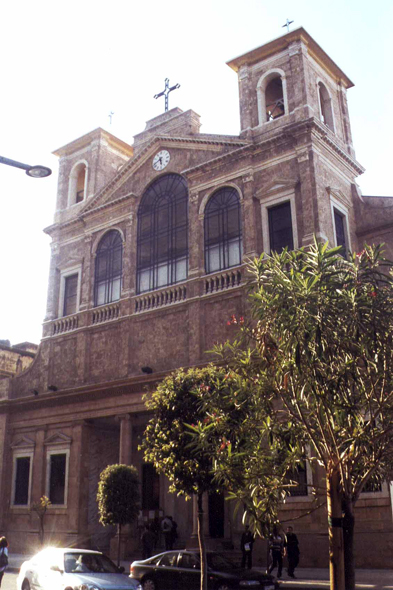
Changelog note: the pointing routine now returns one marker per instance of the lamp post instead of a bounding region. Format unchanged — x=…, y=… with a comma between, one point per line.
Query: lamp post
x=33, y=171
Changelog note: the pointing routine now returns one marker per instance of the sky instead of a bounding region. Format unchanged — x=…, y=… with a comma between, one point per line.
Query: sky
x=67, y=64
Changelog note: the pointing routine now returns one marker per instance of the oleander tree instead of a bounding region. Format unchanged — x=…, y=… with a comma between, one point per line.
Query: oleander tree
x=171, y=441
x=318, y=351
x=118, y=497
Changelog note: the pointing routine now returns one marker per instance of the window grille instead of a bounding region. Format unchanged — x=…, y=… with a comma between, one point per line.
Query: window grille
x=70, y=295
x=298, y=475
x=57, y=478
x=223, y=233
x=162, y=247
x=108, y=269
x=280, y=227
x=339, y=223
x=22, y=476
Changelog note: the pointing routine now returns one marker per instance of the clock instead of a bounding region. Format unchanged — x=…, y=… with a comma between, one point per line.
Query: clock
x=161, y=160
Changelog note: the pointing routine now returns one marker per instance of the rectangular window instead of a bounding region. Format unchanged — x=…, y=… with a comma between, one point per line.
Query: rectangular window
x=339, y=226
x=22, y=480
x=280, y=227
x=299, y=475
x=70, y=294
x=57, y=478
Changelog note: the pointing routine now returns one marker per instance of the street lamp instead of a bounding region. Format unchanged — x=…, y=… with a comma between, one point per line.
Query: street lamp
x=33, y=171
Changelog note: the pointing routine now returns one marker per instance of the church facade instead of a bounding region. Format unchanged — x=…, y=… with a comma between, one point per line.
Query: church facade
x=149, y=250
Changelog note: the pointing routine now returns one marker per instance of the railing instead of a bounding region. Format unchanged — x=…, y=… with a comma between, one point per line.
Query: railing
x=160, y=298
x=66, y=324
x=105, y=313
x=222, y=281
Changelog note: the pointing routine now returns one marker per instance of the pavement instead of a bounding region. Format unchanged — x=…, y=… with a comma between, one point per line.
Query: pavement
x=306, y=578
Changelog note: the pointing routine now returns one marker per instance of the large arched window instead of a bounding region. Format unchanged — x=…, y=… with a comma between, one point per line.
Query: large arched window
x=162, y=254
x=223, y=234
x=108, y=269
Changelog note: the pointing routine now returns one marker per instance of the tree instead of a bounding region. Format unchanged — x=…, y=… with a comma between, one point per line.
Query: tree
x=118, y=497
x=319, y=351
x=177, y=409
x=40, y=508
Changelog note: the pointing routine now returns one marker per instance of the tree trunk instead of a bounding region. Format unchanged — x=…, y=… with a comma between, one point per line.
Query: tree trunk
x=42, y=531
x=348, y=532
x=118, y=544
x=336, y=545
x=202, y=545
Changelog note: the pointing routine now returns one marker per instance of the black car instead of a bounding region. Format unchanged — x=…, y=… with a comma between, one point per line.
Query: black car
x=178, y=570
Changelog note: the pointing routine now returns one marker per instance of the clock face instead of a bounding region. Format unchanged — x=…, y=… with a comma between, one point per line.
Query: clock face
x=161, y=160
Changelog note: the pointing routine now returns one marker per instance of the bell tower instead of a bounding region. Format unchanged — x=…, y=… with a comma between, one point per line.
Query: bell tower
x=292, y=79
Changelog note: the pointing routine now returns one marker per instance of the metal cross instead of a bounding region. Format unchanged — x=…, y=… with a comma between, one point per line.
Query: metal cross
x=166, y=92
x=289, y=22
x=110, y=117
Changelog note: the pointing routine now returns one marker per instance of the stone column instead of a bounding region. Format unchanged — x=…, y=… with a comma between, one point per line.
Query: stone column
x=38, y=471
x=78, y=488
x=125, y=450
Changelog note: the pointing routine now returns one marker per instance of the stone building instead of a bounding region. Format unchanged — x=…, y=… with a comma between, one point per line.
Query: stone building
x=149, y=244
x=16, y=358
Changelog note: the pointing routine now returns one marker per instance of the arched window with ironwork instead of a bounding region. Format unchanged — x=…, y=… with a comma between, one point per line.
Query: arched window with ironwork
x=223, y=232
x=162, y=250
x=108, y=268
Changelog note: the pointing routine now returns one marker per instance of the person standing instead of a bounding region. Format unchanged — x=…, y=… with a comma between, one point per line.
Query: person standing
x=246, y=543
x=276, y=546
x=3, y=556
x=292, y=550
x=166, y=528
x=147, y=539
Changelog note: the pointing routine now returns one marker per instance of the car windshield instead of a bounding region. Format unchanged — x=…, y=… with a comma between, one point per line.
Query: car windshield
x=75, y=563
x=218, y=562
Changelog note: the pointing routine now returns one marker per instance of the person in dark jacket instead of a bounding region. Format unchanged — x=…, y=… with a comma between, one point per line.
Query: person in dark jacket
x=292, y=551
x=246, y=543
x=276, y=546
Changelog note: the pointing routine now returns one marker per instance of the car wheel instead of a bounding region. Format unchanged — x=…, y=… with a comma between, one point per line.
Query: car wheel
x=25, y=585
x=149, y=584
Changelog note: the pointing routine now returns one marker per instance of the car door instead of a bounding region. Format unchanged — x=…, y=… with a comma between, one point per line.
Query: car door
x=189, y=570
x=167, y=573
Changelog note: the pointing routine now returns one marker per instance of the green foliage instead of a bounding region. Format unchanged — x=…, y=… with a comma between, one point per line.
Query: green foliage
x=177, y=407
x=41, y=507
x=319, y=350
x=118, y=495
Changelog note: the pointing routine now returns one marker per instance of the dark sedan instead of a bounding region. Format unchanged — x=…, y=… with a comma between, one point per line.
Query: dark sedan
x=175, y=570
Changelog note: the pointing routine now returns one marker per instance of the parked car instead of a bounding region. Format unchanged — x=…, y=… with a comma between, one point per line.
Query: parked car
x=72, y=569
x=181, y=570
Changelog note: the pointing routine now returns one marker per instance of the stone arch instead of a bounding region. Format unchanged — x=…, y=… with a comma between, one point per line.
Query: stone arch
x=77, y=185
x=272, y=92
x=206, y=198
x=325, y=105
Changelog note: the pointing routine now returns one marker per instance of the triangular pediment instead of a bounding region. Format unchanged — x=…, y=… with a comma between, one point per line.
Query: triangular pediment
x=339, y=195
x=276, y=187
x=58, y=438
x=112, y=193
x=23, y=442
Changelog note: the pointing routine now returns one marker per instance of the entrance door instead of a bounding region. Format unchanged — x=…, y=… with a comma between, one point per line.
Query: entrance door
x=216, y=515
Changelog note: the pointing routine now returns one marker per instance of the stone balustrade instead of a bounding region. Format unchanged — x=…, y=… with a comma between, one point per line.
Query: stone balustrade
x=157, y=299
x=66, y=324
x=222, y=281
x=105, y=313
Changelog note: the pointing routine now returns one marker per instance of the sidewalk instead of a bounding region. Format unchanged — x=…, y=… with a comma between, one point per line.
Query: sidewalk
x=306, y=578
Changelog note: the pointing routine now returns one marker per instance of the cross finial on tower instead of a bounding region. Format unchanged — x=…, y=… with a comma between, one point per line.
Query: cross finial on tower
x=289, y=22
x=110, y=117
x=166, y=92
